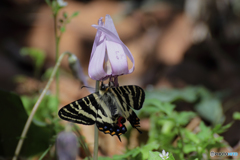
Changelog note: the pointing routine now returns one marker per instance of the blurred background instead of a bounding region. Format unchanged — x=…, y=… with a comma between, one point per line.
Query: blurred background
x=175, y=43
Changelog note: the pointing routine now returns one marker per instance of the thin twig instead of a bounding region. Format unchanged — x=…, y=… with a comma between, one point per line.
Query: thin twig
x=29, y=120
x=82, y=142
x=57, y=40
x=95, y=152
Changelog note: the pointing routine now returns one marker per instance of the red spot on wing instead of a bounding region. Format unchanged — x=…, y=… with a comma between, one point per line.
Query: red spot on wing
x=119, y=122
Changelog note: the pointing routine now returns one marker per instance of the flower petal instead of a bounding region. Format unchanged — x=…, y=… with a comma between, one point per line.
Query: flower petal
x=167, y=154
x=160, y=155
x=117, y=58
x=61, y=3
x=163, y=152
x=95, y=68
x=110, y=25
x=114, y=38
x=97, y=37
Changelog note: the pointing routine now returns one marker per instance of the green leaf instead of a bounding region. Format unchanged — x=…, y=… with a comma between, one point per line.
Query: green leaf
x=184, y=117
x=205, y=133
x=47, y=74
x=13, y=118
x=191, y=136
x=188, y=148
x=154, y=155
x=220, y=129
x=154, y=105
x=75, y=14
x=102, y=158
x=63, y=29
x=149, y=147
x=65, y=15
x=211, y=110
x=236, y=115
x=48, y=2
x=46, y=109
x=37, y=55
x=171, y=157
x=45, y=153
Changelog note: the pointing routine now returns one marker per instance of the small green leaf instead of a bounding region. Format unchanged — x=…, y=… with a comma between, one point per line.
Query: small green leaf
x=47, y=74
x=184, y=117
x=220, y=129
x=188, y=148
x=211, y=110
x=63, y=29
x=154, y=155
x=101, y=158
x=236, y=115
x=37, y=55
x=191, y=136
x=75, y=14
x=65, y=15
x=149, y=147
x=48, y=2
x=45, y=153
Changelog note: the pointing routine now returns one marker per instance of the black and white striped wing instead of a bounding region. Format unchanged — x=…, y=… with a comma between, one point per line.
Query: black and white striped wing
x=82, y=111
x=133, y=96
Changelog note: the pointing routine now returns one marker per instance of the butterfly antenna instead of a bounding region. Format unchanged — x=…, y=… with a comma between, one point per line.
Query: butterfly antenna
x=87, y=87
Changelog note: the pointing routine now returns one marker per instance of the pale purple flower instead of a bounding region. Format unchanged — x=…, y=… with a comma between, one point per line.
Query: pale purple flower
x=67, y=146
x=109, y=53
x=61, y=3
x=164, y=155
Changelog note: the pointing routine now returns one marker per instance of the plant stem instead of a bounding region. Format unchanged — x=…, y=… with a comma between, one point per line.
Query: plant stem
x=182, y=147
x=82, y=142
x=95, y=152
x=57, y=40
x=29, y=120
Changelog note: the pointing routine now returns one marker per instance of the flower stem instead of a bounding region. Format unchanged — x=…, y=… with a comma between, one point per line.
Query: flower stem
x=181, y=138
x=95, y=152
x=57, y=40
x=29, y=120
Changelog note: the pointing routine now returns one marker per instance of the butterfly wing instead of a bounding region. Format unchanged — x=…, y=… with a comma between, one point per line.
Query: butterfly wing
x=133, y=96
x=130, y=97
x=93, y=109
x=82, y=111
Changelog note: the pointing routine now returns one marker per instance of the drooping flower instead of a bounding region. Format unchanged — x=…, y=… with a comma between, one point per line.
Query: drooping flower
x=109, y=53
x=164, y=155
x=67, y=146
x=77, y=68
x=61, y=3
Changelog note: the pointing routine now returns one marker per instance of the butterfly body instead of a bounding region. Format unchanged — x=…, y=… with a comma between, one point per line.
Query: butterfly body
x=109, y=108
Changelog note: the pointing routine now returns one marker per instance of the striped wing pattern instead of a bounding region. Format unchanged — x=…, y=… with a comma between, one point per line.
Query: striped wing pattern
x=82, y=111
x=108, y=109
x=131, y=95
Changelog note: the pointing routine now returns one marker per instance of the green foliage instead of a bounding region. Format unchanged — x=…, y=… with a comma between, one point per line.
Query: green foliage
x=166, y=123
x=37, y=55
x=75, y=14
x=236, y=115
x=63, y=29
x=140, y=153
x=65, y=20
x=46, y=111
x=13, y=118
x=199, y=95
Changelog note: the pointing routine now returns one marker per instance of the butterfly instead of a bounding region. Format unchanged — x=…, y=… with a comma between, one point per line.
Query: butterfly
x=109, y=108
